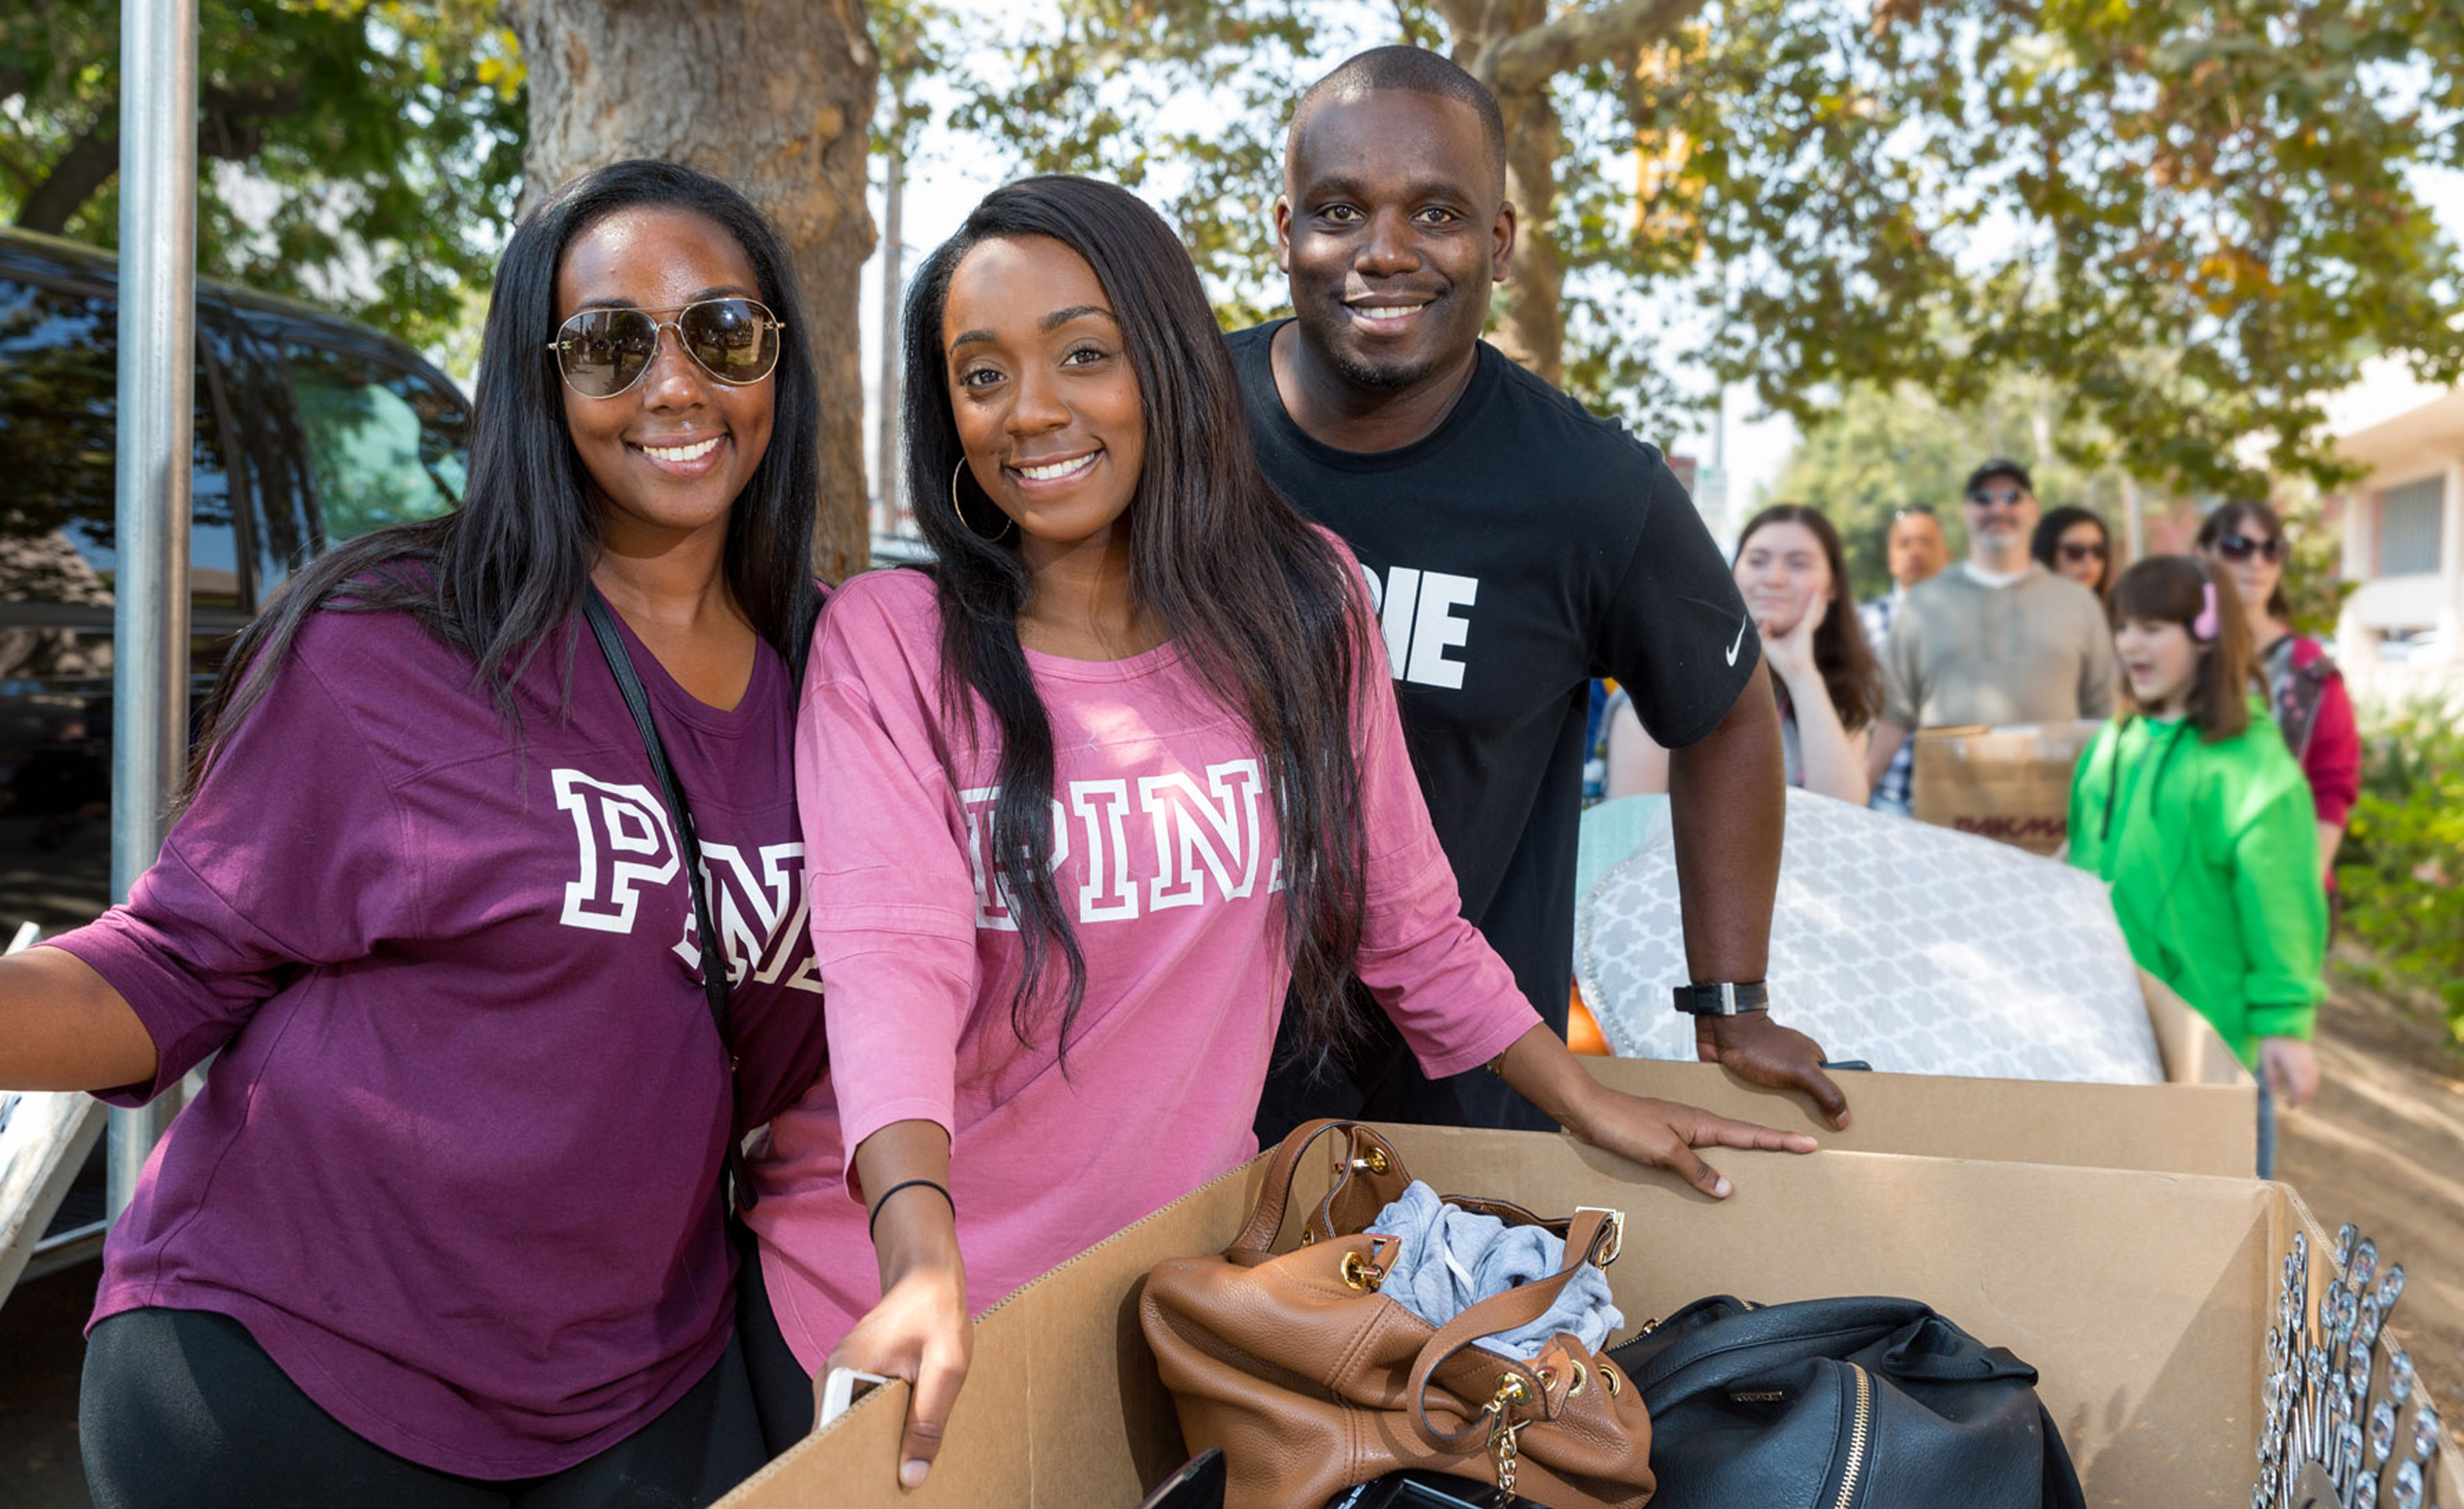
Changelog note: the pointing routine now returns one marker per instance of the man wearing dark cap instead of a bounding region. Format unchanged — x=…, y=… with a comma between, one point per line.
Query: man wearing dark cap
x=1515, y=548
x=1997, y=639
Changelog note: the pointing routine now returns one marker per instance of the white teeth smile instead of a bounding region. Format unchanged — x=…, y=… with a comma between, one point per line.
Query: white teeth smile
x=687, y=453
x=1057, y=469
x=1387, y=311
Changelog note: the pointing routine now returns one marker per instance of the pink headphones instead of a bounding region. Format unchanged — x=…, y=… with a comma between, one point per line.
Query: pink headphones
x=2205, y=626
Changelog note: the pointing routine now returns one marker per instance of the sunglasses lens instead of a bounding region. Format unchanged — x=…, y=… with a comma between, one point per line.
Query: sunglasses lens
x=603, y=351
x=2241, y=547
x=734, y=339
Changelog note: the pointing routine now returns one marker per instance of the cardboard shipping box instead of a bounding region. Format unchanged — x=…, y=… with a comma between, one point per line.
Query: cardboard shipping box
x=2144, y=1298
x=2203, y=1120
x=2011, y=783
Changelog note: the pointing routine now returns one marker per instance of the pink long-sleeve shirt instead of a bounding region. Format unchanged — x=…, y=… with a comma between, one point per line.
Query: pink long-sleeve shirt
x=1165, y=840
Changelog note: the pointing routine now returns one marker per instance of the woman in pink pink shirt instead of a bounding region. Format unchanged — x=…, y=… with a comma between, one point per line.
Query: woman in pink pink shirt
x=1080, y=803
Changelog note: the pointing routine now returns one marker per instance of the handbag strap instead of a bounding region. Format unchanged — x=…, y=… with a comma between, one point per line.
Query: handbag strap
x=714, y=963
x=1589, y=1238
x=1256, y=1242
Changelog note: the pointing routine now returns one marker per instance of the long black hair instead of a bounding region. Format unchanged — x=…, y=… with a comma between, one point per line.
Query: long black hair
x=1257, y=600
x=500, y=575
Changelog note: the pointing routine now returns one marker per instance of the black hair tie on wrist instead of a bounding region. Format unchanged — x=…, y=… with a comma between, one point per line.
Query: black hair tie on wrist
x=874, y=1219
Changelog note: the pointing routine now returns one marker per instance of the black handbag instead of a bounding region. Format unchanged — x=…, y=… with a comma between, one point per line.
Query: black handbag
x=1841, y=1404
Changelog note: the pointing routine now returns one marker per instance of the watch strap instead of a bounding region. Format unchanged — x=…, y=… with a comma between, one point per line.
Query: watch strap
x=1723, y=999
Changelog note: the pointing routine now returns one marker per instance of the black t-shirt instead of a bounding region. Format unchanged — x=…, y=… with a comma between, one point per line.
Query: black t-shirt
x=1521, y=549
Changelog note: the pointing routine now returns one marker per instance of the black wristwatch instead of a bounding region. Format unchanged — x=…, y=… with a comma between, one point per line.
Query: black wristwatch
x=1723, y=1000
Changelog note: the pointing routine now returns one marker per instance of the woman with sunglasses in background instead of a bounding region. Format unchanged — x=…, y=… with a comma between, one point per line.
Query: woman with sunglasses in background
x=2073, y=542
x=445, y=1227
x=2247, y=543
x=2200, y=823
x=1123, y=764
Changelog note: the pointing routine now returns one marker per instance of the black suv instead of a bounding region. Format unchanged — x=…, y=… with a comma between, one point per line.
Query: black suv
x=309, y=429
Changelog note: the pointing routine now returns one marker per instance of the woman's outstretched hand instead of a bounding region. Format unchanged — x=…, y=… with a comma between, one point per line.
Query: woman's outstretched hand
x=1663, y=1134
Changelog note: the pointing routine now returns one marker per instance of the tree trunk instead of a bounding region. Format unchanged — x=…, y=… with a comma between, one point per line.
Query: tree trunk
x=1516, y=48
x=776, y=98
x=893, y=281
x=1528, y=326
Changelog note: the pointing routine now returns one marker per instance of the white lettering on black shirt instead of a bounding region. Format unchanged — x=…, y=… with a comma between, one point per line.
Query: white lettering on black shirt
x=1416, y=611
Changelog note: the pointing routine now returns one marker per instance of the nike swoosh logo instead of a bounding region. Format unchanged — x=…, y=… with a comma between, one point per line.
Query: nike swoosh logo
x=1739, y=642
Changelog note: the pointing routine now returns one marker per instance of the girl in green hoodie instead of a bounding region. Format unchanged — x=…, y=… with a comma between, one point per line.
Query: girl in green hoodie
x=2201, y=821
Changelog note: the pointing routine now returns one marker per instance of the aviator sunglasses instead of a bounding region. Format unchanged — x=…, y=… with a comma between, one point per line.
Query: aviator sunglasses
x=602, y=352
x=2004, y=497
x=2238, y=546
x=2078, y=551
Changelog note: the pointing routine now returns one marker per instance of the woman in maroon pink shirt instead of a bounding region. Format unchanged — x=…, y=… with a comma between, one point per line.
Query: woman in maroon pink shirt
x=445, y=1225
x=1082, y=803
x=2247, y=542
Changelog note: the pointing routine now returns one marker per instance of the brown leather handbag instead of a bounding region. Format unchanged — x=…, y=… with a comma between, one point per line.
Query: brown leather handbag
x=1312, y=1381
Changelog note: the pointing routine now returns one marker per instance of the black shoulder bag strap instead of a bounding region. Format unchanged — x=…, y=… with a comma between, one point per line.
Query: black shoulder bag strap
x=738, y=1194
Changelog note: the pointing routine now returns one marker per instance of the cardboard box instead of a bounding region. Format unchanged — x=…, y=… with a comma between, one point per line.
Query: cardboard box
x=2204, y=1120
x=2144, y=1298
x=2011, y=783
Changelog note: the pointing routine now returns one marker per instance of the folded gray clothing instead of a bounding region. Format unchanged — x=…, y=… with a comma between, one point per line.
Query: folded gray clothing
x=1448, y=1259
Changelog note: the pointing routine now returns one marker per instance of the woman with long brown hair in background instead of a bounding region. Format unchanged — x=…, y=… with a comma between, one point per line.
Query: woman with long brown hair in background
x=1794, y=574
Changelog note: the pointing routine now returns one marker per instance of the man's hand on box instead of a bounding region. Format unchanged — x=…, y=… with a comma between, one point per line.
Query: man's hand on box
x=1759, y=1051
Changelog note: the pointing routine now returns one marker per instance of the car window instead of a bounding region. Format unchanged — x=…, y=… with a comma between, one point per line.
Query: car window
x=385, y=445
x=60, y=359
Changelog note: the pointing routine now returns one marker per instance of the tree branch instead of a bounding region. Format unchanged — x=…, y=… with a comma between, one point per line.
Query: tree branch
x=1463, y=17
x=74, y=179
x=1579, y=38
x=232, y=121
x=230, y=126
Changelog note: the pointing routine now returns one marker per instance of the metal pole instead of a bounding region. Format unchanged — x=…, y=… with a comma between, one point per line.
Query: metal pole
x=158, y=355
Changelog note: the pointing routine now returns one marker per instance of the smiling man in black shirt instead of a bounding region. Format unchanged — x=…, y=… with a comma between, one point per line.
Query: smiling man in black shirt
x=1515, y=548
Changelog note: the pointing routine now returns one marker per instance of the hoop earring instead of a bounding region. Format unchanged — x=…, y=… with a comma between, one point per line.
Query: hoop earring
x=961, y=509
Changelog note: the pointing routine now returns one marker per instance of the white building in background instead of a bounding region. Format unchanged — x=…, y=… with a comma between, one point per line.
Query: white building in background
x=2402, y=633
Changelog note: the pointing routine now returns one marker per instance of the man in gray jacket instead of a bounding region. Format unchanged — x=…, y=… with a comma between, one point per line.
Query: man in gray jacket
x=1997, y=639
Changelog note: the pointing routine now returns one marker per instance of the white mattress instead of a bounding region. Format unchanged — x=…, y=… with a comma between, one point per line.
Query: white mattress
x=1916, y=949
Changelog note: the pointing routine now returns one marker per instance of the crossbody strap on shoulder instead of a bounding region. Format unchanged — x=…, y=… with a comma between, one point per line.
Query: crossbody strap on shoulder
x=714, y=962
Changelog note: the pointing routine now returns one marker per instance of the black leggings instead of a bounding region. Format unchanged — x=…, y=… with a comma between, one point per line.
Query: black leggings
x=782, y=1391
x=182, y=1410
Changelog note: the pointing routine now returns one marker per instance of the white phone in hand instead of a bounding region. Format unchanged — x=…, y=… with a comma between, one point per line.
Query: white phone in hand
x=841, y=1387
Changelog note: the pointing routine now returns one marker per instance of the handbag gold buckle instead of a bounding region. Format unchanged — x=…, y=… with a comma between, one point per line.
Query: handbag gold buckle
x=1373, y=1162
x=1362, y=1278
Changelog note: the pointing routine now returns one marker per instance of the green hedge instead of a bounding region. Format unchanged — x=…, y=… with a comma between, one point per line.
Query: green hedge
x=2402, y=867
